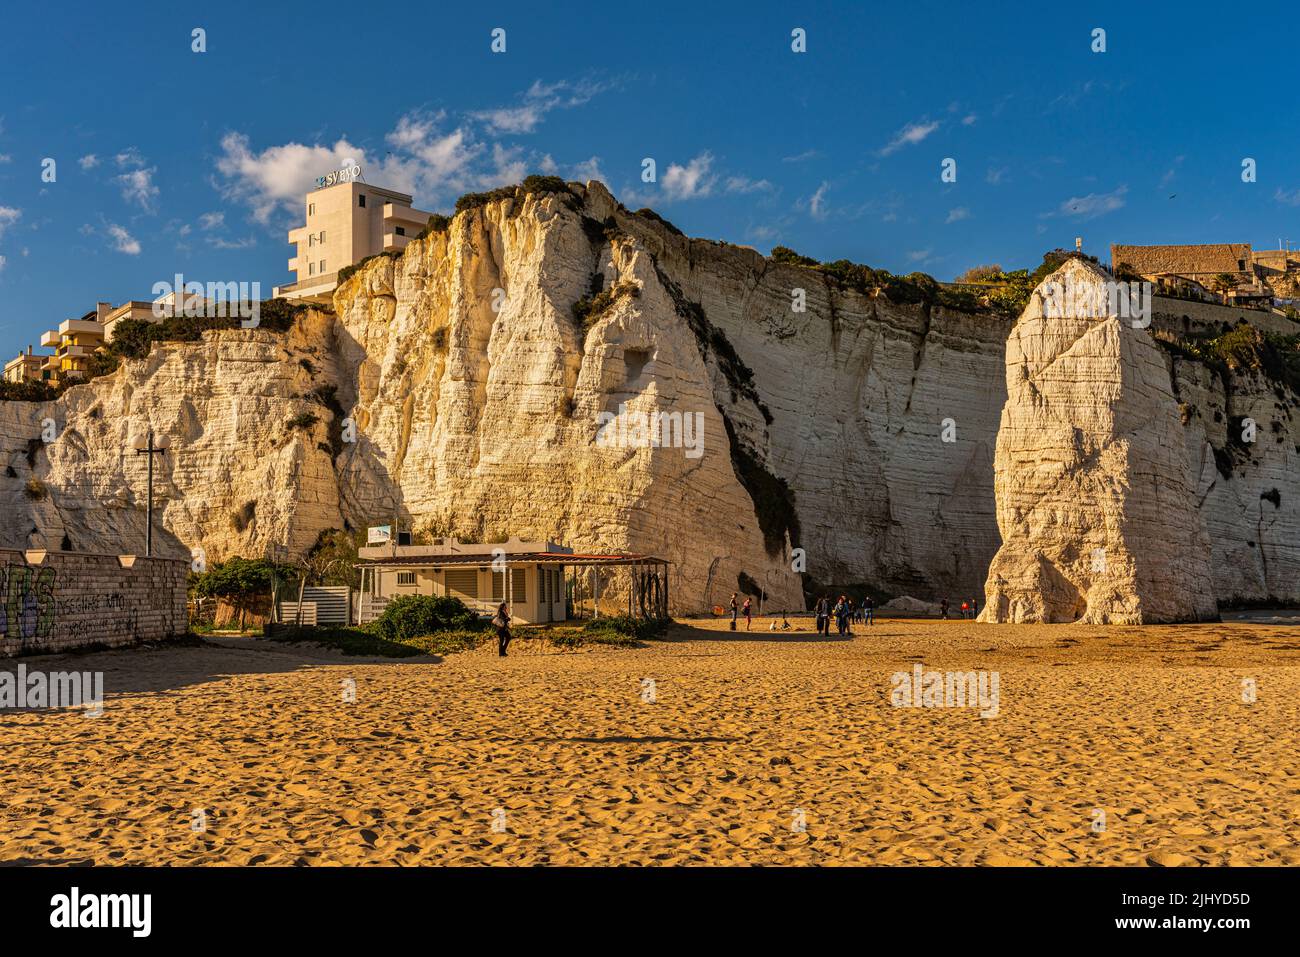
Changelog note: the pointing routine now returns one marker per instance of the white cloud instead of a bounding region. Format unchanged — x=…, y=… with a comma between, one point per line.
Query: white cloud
x=210, y=221
x=128, y=157
x=801, y=157
x=1094, y=204
x=508, y=163
x=957, y=214
x=817, y=205
x=428, y=155
x=2, y=263
x=8, y=216
x=909, y=135
x=123, y=242
x=137, y=187
x=276, y=178
x=217, y=242
x=513, y=119
x=690, y=181
x=6, y=158
x=1289, y=197
x=588, y=169
x=536, y=102
x=917, y=255
x=969, y=119
x=743, y=184
x=89, y=161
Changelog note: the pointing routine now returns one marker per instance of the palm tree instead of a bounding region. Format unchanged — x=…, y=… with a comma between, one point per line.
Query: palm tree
x=1224, y=283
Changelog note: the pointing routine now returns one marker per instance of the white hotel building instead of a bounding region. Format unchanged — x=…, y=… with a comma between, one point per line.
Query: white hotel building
x=346, y=223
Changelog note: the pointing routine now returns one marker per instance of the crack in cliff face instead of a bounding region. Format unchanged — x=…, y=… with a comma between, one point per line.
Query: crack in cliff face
x=918, y=353
x=770, y=495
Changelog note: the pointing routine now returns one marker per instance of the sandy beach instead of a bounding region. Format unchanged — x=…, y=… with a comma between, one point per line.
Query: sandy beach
x=747, y=749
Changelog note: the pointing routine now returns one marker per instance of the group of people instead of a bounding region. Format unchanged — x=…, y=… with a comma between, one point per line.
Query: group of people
x=969, y=608
x=845, y=611
x=747, y=609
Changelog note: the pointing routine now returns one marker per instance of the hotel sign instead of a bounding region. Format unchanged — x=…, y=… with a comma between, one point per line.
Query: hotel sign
x=344, y=175
x=379, y=534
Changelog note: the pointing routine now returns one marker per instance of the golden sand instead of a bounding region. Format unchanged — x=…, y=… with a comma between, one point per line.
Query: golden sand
x=561, y=749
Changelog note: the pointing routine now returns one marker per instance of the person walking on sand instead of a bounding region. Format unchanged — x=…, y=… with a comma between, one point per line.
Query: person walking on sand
x=734, y=611
x=965, y=608
x=868, y=610
x=822, y=611
x=501, y=621
x=974, y=607
x=841, y=609
x=749, y=613
x=943, y=609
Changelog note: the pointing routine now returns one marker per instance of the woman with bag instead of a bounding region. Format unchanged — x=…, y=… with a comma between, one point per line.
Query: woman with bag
x=501, y=621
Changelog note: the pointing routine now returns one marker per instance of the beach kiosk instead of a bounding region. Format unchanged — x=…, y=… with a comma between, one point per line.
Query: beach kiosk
x=543, y=581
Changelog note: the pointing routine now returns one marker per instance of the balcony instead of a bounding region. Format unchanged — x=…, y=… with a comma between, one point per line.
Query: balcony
x=50, y=339
x=72, y=327
x=393, y=241
x=395, y=215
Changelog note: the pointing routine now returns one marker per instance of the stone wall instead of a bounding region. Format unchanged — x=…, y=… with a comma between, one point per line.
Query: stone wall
x=1183, y=316
x=73, y=600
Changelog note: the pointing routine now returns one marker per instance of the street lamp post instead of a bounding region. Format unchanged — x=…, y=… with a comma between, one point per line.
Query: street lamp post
x=150, y=449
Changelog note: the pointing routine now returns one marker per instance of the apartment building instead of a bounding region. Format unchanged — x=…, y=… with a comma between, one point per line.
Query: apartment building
x=157, y=310
x=74, y=342
x=25, y=367
x=345, y=223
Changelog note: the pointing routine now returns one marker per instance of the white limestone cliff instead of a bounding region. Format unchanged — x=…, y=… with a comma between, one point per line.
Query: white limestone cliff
x=1098, y=517
x=823, y=430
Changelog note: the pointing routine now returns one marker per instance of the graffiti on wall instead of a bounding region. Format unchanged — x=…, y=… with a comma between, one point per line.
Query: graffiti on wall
x=27, y=605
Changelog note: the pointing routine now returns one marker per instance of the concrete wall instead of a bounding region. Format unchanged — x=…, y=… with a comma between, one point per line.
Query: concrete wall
x=75, y=600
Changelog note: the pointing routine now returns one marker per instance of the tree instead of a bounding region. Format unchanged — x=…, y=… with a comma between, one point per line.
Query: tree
x=987, y=273
x=239, y=581
x=1224, y=283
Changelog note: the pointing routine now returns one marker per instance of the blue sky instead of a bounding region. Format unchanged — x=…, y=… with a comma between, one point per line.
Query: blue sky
x=170, y=160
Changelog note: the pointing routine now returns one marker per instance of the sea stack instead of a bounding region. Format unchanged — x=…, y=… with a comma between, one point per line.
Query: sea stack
x=1099, y=521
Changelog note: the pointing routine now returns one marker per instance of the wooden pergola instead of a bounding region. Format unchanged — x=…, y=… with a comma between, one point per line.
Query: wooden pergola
x=647, y=595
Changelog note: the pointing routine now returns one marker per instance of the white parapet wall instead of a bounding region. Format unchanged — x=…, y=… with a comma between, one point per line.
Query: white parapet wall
x=63, y=601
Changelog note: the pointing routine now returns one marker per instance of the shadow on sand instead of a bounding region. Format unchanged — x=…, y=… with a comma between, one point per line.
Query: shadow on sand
x=799, y=633
x=168, y=666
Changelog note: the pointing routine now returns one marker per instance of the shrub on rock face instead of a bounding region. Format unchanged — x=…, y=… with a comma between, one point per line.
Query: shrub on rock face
x=588, y=310
x=26, y=392
x=437, y=224
x=303, y=420
x=784, y=254
x=417, y=616
x=347, y=272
